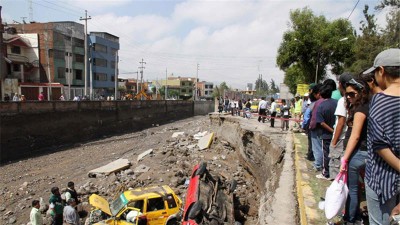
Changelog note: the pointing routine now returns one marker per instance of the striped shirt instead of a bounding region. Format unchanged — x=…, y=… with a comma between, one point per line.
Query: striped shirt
x=383, y=132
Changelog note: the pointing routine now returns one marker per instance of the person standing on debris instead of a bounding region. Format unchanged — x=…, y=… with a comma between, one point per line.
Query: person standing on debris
x=273, y=111
x=71, y=192
x=285, y=115
x=262, y=110
x=35, y=216
x=71, y=216
x=56, y=206
x=226, y=104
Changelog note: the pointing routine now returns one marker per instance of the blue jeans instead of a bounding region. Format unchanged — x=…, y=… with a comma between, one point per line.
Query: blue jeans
x=378, y=213
x=356, y=163
x=316, y=148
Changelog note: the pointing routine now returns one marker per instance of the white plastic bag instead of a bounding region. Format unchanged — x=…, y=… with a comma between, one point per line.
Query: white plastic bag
x=336, y=195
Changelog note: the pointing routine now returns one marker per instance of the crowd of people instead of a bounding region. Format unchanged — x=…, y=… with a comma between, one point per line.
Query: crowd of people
x=359, y=135
x=62, y=211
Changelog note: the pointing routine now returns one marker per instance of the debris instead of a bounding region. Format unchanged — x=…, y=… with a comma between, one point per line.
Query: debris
x=112, y=167
x=141, y=169
x=191, y=146
x=176, y=134
x=144, y=154
x=199, y=135
x=205, y=141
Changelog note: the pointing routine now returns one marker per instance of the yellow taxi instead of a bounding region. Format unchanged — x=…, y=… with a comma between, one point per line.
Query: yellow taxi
x=158, y=205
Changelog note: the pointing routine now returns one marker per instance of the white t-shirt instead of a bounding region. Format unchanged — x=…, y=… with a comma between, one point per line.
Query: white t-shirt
x=262, y=104
x=340, y=111
x=273, y=107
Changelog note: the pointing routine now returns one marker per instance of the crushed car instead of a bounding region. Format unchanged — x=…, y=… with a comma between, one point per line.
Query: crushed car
x=209, y=199
x=157, y=205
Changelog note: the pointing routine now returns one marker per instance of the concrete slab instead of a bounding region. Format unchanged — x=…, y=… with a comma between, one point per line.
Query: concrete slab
x=205, y=141
x=199, y=135
x=176, y=134
x=144, y=154
x=112, y=167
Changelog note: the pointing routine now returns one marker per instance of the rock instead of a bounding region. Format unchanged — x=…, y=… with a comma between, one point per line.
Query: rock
x=141, y=169
x=129, y=172
x=176, y=134
x=2, y=208
x=25, y=184
x=144, y=154
x=12, y=220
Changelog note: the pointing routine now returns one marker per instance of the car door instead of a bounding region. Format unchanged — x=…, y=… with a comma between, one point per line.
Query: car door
x=156, y=212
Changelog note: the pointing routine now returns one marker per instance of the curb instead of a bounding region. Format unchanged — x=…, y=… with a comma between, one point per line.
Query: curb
x=299, y=185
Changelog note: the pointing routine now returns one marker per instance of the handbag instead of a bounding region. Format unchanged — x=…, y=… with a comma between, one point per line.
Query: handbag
x=336, y=195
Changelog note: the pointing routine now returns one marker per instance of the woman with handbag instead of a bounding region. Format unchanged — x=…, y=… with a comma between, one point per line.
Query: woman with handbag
x=355, y=142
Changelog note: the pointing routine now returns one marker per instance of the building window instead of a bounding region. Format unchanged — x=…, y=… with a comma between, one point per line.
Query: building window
x=100, y=48
x=61, y=72
x=78, y=74
x=16, y=50
x=113, y=78
x=79, y=42
x=79, y=58
x=100, y=76
x=114, y=51
x=100, y=62
x=183, y=90
x=17, y=67
x=56, y=54
x=113, y=64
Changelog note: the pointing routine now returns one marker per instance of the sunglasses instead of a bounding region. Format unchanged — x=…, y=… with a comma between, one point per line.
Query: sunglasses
x=350, y=94
x=354, y=82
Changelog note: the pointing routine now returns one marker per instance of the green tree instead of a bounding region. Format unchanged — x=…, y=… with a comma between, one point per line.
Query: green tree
x=273, y=87
x=262, y=88
x=293, y=76
x=219, y=90
x=311, y=43
x=391, y=34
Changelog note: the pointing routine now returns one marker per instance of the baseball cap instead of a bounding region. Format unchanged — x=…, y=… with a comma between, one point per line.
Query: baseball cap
x=389, y=57
x=306, y=95
x=345, y=77
x=311, y=86
x=297, y=95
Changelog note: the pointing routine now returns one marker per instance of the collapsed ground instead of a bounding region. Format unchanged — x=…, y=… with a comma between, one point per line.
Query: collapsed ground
x=171, y=163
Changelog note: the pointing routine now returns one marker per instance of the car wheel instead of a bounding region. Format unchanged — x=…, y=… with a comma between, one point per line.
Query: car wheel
x=195, y=210
x=202, y=169
x=232, y=186
x=172, y=222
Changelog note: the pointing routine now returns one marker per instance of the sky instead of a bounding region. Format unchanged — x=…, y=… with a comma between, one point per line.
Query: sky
x=232, y=41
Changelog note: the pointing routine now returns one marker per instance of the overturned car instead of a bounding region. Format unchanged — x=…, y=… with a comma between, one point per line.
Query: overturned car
x=209, y=200
x=158, y=205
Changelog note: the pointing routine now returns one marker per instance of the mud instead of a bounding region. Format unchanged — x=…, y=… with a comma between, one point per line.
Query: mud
x=242, y=149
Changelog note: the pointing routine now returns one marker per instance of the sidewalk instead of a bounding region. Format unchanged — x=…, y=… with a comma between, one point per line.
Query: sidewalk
x=310, y=189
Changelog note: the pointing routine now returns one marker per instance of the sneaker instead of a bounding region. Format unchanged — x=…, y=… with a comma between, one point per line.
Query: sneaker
x=320, y=176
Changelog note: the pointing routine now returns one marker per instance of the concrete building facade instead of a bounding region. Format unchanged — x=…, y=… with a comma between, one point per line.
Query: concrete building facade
x=104, y=48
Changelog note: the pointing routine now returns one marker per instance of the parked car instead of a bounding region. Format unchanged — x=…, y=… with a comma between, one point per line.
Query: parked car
x=209, y=200
x=158, y=205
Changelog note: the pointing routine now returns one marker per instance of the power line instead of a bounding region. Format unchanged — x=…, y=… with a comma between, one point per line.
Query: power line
x=353, y=9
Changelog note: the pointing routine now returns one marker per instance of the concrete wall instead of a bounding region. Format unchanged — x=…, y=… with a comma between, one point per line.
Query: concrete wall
x=32, y=128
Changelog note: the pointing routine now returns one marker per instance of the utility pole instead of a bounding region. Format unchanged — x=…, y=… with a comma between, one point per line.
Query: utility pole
x=197, y=78
x=30, y=11
x=2, y=61
x=166, y=83
x=116, y=75
x=86, y=57
x=49, y=94
x=141, y=73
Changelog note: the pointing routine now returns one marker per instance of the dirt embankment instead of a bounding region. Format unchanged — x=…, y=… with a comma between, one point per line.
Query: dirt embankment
x=240, y=151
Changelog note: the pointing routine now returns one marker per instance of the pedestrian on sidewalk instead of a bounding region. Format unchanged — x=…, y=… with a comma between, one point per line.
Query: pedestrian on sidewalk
x=355, y=142
x=316, y=130
x=273, y=111
x=336, y=150
x=325, y=121
x=382, y=176
x=285, y=115
x=262, y=107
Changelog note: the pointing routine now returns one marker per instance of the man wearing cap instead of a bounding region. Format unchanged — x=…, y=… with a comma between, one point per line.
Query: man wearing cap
x=382, y=177
x=297, y=110
x=340, y=127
